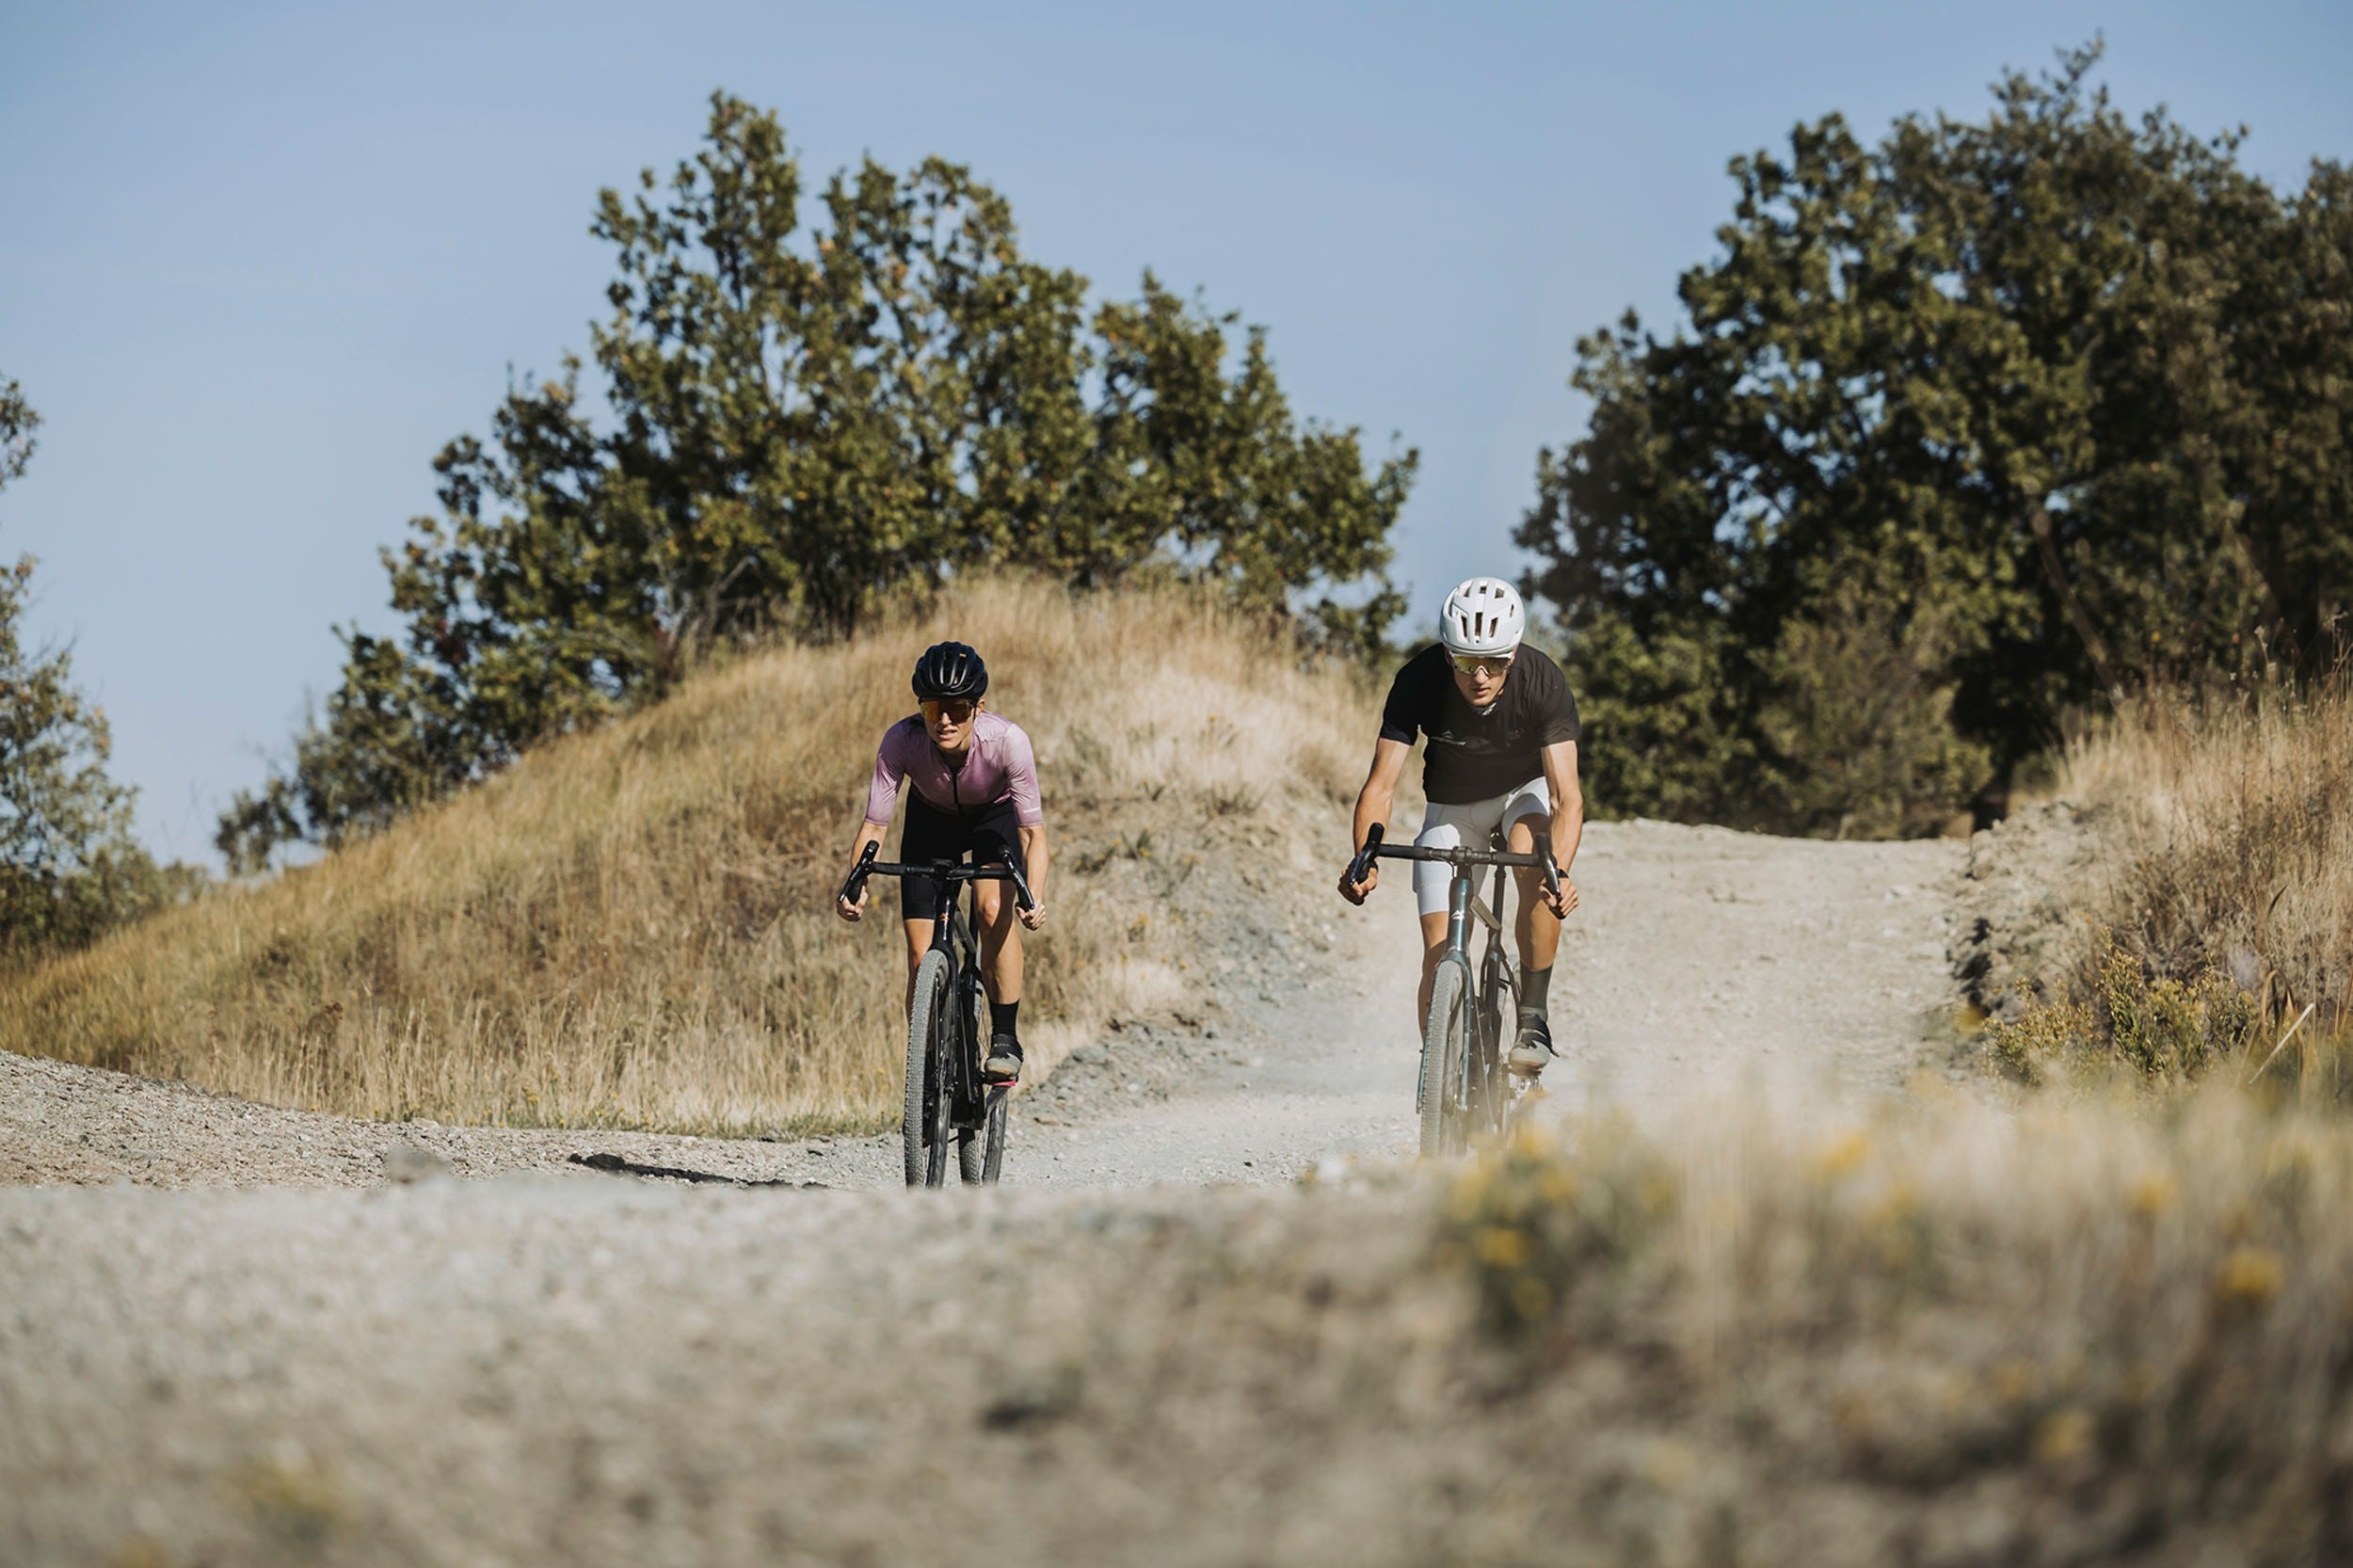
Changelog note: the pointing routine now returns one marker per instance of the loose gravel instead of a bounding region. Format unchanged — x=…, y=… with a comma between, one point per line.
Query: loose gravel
x=479, y=1345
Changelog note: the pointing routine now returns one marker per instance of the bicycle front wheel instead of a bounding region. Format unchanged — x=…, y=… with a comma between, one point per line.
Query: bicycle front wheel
x=994, y=1154
x=1445, y=1053
x=923, y=1122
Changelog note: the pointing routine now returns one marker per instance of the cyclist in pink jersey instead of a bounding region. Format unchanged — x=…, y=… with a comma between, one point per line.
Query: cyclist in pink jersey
x=971, y=783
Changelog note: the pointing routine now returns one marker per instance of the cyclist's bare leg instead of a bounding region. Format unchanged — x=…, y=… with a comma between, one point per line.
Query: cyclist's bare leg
x=918, y=943
x=1537, y=928
x=1538, y=931
x=1432, y=946
x=1001, y=940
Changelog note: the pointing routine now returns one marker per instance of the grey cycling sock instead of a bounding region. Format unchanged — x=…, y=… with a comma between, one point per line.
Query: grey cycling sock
x=1535, y=983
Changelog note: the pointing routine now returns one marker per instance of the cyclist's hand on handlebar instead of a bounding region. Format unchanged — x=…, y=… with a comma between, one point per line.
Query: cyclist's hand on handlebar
x=1563, y=902
x=1355, y=892
x=849, y=911
x=1034, y=917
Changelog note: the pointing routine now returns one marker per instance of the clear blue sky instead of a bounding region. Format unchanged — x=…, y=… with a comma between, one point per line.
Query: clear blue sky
x=258, y=263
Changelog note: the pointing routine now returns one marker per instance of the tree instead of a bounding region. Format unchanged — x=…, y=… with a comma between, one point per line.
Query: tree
x=69, y=869
x=799, y=423
x=2069, y=392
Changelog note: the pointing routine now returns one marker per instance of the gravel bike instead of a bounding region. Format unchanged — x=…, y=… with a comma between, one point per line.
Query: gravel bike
x=947, y=1100
x=1464, y=1087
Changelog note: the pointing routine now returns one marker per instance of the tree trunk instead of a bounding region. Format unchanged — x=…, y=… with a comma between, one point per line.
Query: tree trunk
x=2038, y=522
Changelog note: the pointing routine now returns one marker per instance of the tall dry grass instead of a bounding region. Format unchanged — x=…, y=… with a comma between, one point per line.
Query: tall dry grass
x=2229, y=833
x=1945, y=1332
x=633, y=927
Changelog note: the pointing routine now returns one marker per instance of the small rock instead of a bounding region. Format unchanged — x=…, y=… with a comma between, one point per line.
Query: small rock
x=406, y=1163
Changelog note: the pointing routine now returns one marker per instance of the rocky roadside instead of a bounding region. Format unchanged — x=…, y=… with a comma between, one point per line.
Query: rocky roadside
x=2015, y=904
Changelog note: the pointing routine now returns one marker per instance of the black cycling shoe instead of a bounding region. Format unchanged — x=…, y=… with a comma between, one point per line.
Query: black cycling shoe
x=1004, y=1059
x=1534, y=1050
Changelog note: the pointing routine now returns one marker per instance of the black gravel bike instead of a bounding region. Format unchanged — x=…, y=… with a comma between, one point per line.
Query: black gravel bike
x=947, y=1100
x=1464, y=1087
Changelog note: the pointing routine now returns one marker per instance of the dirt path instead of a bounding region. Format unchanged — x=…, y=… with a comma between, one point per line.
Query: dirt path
x=597, y=1370
x=1699, y=955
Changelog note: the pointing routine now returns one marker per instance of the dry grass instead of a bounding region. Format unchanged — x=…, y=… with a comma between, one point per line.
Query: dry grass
x=2228, y=818
x=1951, y=1333
x=2239, y=833
x=632, y=927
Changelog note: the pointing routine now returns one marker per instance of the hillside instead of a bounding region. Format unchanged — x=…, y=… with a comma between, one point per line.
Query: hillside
x=631, y=928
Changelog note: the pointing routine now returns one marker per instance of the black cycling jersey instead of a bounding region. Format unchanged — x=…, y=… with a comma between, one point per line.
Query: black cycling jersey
x=1474, y=754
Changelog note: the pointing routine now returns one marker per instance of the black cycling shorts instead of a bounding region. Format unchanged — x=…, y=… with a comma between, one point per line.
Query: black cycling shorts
x=991, y=833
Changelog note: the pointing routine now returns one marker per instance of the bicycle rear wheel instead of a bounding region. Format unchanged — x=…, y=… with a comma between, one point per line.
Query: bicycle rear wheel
x=970, y=1151
x=1490, y=1097
x=1445, y=1053
x=924, y=1120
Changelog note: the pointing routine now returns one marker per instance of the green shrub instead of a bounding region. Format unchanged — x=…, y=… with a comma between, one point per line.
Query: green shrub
x=2163, y=1029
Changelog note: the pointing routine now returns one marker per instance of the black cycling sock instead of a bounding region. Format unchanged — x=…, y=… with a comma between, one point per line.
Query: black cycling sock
x=1535, y=983
x=1001, y=1023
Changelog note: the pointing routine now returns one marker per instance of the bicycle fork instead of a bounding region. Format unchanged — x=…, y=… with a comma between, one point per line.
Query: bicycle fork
x=1458, y=902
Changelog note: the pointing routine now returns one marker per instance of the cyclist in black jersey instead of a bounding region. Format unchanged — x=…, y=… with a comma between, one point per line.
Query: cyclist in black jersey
x=1503, y=729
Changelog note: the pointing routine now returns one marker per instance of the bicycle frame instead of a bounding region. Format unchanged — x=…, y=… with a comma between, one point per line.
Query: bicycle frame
x=953, y=935
x=1489, y=989
x=1490, y=993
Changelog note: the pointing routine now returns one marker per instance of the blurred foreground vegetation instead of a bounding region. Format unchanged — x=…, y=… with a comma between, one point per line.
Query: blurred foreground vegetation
x=1945, y=1333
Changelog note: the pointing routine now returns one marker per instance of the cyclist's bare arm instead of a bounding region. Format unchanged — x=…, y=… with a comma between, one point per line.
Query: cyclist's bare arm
x=1568, y=815
x=868, y=832
x=1033, y=856
x=1372, y=806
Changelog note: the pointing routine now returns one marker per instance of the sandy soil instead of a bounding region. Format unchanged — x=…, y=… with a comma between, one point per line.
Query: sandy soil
x=686, y=1351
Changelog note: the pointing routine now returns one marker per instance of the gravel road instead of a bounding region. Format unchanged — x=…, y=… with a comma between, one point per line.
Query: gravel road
x=706, y=1350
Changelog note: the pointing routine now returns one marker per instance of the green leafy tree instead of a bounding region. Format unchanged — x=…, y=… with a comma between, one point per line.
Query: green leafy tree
x=796, y=421
x=2068, y=394
x=69, y=869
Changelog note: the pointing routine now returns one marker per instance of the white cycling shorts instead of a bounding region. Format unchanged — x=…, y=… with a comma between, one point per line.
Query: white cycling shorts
x=1473, y=823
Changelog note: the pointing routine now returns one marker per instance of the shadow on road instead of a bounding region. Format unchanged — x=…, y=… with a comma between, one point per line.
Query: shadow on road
x=615, y=1165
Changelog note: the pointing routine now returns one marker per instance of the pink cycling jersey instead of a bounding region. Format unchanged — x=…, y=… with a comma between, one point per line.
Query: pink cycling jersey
x=998, y=765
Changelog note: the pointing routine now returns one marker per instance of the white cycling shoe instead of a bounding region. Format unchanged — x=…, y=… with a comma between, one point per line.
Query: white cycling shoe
x=1004, y=1060
x=1534, y=1051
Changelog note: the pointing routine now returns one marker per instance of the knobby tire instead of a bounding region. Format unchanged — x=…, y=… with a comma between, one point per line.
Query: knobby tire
x=970, y=1154
x=1495, y=1086
x=929, y=1091
x=994, y=1163
x=1444, y=1047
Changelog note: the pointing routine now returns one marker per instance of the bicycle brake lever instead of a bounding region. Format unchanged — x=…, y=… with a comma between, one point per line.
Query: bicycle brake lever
x=1022, y=898
x=858, y=873
x=1359, y=867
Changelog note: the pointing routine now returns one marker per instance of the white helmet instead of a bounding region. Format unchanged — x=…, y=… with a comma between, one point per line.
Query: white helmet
x=1482, y=615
